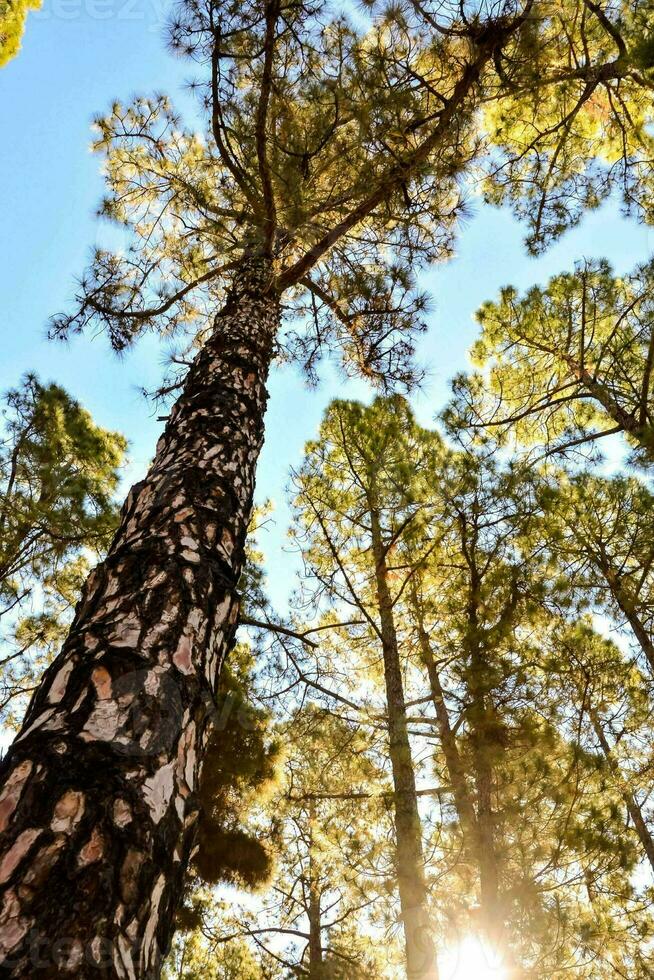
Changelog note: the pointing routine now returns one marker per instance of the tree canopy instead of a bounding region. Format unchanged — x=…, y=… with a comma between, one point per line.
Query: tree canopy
x=59, y=473
x=445, y=742
x=565, y=365
x=343, y=150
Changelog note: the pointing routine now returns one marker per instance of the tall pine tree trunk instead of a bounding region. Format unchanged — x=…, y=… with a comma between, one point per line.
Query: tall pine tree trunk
x=628, y=610
x=420, y=952
x=631, y=803
x=455, y=766
x=314, y=913
x=478, y=831
x=315, y=933
x=98, y=803
x=482, y=725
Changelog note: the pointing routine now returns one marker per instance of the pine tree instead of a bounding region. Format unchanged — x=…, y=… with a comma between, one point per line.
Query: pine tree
x=530, y=802
x=614, y=695
x=488, y=596
x=528, y=845
x=332, y=166
x=329, y=826
x=604, y=707
x=567, y=364
x=352, y=510
x=600, y=531
x=194, y=960
x=59, y=473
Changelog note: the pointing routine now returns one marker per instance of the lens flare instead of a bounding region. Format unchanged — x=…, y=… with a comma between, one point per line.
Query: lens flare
x=471, y=960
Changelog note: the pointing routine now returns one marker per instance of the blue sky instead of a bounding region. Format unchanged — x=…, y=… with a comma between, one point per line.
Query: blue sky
x=78, y=56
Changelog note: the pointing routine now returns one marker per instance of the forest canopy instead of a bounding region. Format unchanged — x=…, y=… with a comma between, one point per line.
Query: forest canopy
x=396, y=722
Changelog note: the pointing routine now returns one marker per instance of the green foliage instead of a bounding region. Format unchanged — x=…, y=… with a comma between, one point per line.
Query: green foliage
x=13, y=14
x=339, y=148
x=565, y=364
x=241, y=767
x=600, y=532
x=567, y=134
x=191, y=959
x=59, y=472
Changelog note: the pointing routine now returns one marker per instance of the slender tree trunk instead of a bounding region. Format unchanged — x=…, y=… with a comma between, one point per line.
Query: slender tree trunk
x=627, y=609
x=314, y=913
x=420, y=952
x=98, y=803
x=481, y=718
x=478, y=833
x=631, y=803
x=315, y=934
x=491, y=911
x=455, y=766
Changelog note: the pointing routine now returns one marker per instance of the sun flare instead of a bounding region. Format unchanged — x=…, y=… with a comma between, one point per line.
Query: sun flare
x=470, y=960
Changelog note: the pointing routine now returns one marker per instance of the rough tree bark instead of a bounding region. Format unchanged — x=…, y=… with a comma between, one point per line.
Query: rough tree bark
x=420, y=950
x=98, y=801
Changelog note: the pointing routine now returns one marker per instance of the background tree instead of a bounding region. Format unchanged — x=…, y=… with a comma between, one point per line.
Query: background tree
x=470, y=597
x=605, y=714
x=315, y=918
x=59, y=473
x=615, y=708
x=193, y=959
x=567, y=364
x=476, y=599
x=599, y=531
x=352, y=508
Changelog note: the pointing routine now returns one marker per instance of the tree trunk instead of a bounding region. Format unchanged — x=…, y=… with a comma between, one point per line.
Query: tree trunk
x=98, y=804
x=455, y=767
x=314, y=912
x=315, y=934
x=633, y=808
x=628, y=421
x=420, y=952
x=626, y=607
x=482, y=724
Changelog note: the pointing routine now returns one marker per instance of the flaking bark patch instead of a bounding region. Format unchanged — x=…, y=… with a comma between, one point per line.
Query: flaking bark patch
x=93, y=850
x=17, y=852
x=68, y=812
x=12, y=792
